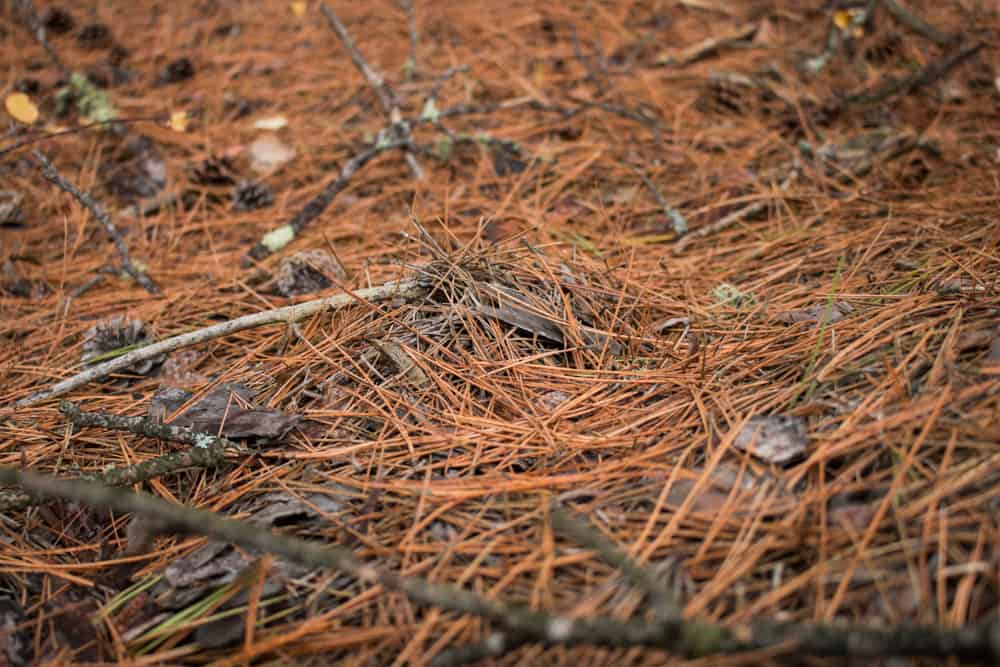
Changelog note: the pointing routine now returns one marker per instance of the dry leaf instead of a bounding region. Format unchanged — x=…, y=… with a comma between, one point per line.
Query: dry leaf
x=179, y=121
x=21, y=108
x=222, y=411
x=298, y=9
x=817, y=313
x=774, y=438
x=268, y=153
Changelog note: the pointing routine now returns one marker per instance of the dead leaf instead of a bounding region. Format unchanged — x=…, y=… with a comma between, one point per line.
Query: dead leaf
x=402, y=360
x=817, y=313
x=268, y=153
x=222, y=411
x=773, y=438
x=21, y=108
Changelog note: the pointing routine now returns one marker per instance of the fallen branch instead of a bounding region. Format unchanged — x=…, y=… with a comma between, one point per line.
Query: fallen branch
x=52, y=175
x=403, y=288
x=382, y=89
x=206, y=451
x=684, y=637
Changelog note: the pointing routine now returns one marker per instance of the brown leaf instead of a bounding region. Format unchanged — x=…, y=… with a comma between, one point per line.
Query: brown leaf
x=774, y=438
x=222, y=411
x=817, y=313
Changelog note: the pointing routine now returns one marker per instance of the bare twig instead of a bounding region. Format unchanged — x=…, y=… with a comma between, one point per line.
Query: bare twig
x=404, y=288
x=206, y=451
x=381, y=87
x=443, y=79
x=926, y=76
x=732, y=218
x=686, y=638
x=52, y=175
x=665, y=605
x=917, y=24
x=27, y=8
x=280, y=237
x=413, y=64
x=676, y=218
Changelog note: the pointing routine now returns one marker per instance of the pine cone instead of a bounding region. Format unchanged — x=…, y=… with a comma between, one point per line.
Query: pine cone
x=213, y=171
x=308, y=271
x=251, y=195
x=115, y=333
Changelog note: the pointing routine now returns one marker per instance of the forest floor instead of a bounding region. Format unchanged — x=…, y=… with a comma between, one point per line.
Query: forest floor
x=718, y=279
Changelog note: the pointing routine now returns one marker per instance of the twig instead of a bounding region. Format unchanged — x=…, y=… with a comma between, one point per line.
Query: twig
x=404, y=288
x=413, y=63
x=926, y=76
x=677, y=219
x=52, y=175
x=917, y=24
x=382, y=89
x=206, y=451
x=282, y=236
x=443, y=79
x=27, y=7
x=731, y=219
x=665, y=605
x=686, y=638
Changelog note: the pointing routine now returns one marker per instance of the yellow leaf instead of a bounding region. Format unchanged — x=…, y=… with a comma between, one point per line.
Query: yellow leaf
x=178, y=121
x=21, y=108
x=299, y=9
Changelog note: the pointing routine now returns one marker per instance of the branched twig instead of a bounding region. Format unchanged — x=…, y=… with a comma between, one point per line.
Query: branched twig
x=282, y=236
x=52, y=175
x=686, y=638
x=667, y=608
x=206, y=451
x=381, y=87
x=404, y=288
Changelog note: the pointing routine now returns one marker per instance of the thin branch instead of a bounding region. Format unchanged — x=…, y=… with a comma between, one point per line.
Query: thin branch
x=413, y=64
x=667, y=608
x=677, y=220
x=282, y=236
x=404, y=288
x=686, y=638
x=27, y=8
x=731, y=219
x=206, y=451
x=52, y=175
x=917, y=24
x=381, y=87
x=926, y=76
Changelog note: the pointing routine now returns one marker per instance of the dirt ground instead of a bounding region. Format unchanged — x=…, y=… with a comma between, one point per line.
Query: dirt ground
x=717, y=279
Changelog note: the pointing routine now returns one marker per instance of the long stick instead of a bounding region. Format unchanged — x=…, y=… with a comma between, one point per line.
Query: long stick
x=402, y=288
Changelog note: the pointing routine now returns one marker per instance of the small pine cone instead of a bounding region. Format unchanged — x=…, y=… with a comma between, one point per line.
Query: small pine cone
x=115, y=333
x=251, y=195
x=213, y=171
x=308, y=271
